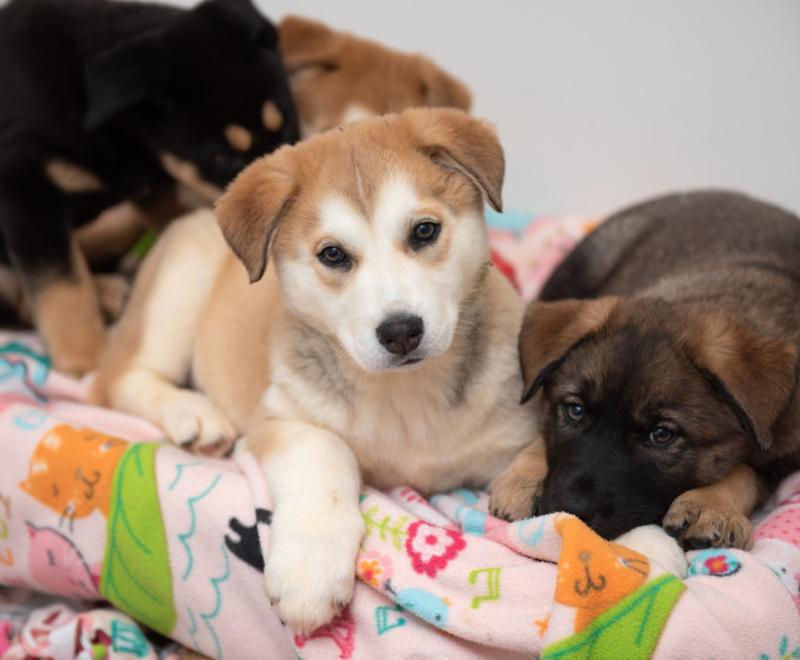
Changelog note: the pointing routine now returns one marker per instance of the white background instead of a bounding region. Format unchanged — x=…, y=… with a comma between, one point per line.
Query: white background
x=600, y=103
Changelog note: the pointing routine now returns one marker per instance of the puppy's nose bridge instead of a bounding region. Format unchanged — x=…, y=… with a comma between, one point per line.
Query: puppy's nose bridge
x=400, y=333
x=578, y=496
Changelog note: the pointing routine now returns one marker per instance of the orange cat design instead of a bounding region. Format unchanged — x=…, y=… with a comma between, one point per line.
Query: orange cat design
x=594, y=574
x=71, y=471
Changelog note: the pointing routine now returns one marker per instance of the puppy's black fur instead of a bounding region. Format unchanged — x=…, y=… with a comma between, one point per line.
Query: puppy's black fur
x=110, y=87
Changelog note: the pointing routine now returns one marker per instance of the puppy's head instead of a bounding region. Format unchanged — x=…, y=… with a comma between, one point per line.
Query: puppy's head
x=336, y=77
x=645, y=399
x=206, y=89
x=376, y=229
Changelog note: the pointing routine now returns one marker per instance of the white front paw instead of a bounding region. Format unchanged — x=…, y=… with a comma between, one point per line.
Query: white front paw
x=654, y=543
x=191, y=418
x=310, y=570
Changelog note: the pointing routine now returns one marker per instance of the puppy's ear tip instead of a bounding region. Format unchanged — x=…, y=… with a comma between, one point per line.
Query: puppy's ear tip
x=527, y=394
x=763, y=441
x=255, y=275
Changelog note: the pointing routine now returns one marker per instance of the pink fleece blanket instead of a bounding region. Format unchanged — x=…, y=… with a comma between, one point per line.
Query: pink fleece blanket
x=89, y=511
x=176, y=542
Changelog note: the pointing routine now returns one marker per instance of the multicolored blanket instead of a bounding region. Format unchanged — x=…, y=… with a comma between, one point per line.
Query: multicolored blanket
x=94, y=508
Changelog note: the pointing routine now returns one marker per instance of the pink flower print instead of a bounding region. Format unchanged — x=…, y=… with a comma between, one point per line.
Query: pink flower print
x=374, y=568
x=714, y=561
x=431, y=548
x=341, y=631
x=717, y=565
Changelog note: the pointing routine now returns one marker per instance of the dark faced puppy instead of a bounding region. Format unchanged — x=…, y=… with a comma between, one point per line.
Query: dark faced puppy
x=664, y=397
x=107, y=101
x=208, y=91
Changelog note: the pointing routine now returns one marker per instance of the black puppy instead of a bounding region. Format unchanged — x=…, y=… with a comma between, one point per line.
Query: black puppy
x=106, y=101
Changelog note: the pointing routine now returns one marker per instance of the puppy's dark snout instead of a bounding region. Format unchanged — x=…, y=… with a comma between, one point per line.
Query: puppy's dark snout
x=400, y=333
x=579, y=497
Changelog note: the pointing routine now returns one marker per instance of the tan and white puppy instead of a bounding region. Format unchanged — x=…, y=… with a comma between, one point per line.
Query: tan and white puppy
x=377, y=346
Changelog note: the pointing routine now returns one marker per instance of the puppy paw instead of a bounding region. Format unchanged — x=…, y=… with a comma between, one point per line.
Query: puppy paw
x=189, y=418
x=75, y=350
x=697, y=524
x=655, y=544
x=310, y=574
x=515, y=495
x=112, y=294
x=75, y=362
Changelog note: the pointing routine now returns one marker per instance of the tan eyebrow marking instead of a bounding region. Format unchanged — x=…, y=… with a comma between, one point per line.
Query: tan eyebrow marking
x=70, y=177
x=271, y=116
x=238, y=137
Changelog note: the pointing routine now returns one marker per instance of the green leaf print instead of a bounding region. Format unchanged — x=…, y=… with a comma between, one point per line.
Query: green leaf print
x=136, y=572
x=388, y=530
x=628, y=630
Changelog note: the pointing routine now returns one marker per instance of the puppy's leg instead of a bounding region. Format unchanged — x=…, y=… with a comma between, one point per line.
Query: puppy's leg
x=314, y=482
x=14, y=309
x=150, y=351
x=53, y=272
x=516, y=492
x=112, y=292
x=112, y=233
x=717, y=515
x=66, y=312
x=654, y=543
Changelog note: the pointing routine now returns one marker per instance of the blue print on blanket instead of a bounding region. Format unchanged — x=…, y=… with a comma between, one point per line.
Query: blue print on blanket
x=717, y=562
x=515, y=221
x=472, y=521
x=23, y=372
x=426, y=605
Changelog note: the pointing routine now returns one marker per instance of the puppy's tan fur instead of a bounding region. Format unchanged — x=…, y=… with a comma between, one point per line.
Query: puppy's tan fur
x=337, y=77
x=277, y=359
x=67, y=314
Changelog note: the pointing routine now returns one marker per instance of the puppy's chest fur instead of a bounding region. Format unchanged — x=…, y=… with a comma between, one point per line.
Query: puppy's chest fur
x=455, y=421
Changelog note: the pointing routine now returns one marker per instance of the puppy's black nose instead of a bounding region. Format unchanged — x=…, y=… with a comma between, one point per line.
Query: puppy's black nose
x=577, y=496
x=400, y=333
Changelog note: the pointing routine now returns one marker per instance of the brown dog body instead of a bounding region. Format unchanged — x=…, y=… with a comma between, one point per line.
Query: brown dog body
x=664, y=356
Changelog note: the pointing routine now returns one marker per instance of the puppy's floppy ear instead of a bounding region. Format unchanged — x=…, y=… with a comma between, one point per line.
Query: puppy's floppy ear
x=461, y=143
x=252, y=208
x=755, y=374
x=441, y=90
x=306, y=44
x=550, y=330
x=124, y=76
x=243, y=15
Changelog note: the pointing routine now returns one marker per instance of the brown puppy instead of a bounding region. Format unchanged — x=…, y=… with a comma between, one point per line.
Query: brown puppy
x=337, y=77
x=664, y=358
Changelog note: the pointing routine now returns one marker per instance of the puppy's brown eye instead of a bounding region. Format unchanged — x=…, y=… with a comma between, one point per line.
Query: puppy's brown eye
x=424, y=233
x=573, y=411
x=334, y=257
x=661, y=435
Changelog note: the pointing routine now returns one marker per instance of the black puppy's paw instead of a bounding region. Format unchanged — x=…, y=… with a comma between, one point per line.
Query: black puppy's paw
x=697, y=524
x=516, y=496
